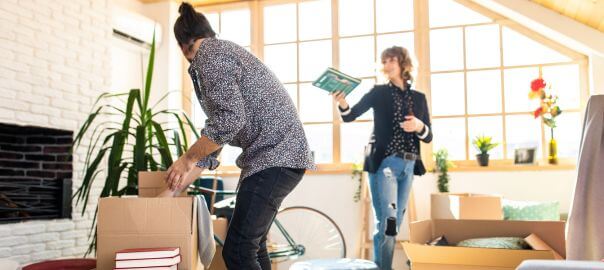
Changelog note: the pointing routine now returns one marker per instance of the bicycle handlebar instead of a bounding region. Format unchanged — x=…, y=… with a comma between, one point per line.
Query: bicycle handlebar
x=212, y=191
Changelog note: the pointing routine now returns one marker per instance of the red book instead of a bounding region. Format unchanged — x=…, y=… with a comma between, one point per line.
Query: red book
x=142, y=263
x=146, y=253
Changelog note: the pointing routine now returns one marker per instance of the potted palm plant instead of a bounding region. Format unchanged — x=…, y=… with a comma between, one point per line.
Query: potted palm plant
x=111, y=141
x=483, y=144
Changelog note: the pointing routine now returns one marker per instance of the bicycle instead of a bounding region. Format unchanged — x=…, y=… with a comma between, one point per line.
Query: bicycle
x=297, y=232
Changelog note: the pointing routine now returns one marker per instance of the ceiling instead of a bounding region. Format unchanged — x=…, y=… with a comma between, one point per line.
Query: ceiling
x=588, y=12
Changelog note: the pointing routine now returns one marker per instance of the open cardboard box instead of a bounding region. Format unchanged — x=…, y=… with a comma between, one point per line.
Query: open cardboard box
x=425, y=257
x=146, y=223
x=465, y=206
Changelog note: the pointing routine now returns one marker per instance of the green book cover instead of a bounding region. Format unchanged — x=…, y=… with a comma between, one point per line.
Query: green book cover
x=333, y=80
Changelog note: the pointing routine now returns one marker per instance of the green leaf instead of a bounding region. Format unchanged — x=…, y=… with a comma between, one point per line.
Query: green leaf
x=164, y=148
x=149, y=78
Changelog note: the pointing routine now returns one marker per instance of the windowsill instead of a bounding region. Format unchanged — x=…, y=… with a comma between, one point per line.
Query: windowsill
x=508, y=165
x=460, y=166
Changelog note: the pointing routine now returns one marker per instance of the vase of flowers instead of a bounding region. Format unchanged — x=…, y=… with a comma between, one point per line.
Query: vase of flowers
x=548, y=111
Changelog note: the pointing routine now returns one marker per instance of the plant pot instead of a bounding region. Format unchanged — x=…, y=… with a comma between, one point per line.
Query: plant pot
x=483, y=159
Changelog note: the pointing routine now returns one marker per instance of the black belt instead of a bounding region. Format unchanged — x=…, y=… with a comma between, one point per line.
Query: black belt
x=408, y=155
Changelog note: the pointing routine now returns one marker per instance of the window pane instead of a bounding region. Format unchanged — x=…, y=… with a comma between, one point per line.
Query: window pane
x=448, y=94
x=389, y=40
x=446, y=49
x=315, y=104
x=315, y=58
x=394, y=15
x=357, y=56
x=486, y=126
x=315, y=19
x=567, y=134
x=356, y=17
x=484, y=92
x=517, y=85
x=235, y=26
x=565, y=83
x=482, y=46
x=229, y=155
x=355, y=96
x=450, y=134
x=213, y=18
x=521, y=50
x=292, y=91
x=281, y=59
x=522, y=131
x=320, y=140
x=279, y=23
x=449, y=12
x=199, y=117
x=353, y=138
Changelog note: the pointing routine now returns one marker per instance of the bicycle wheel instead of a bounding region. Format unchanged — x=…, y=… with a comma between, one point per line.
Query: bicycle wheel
x=303, y=233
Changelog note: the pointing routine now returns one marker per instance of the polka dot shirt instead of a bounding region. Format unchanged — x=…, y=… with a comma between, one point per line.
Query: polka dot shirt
x=247, y=107
x=401, y=141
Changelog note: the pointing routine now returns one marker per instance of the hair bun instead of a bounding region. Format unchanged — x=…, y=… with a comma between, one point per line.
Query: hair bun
x=186, y=8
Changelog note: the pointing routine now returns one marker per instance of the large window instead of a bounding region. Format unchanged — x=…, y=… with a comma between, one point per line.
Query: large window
x=474, y=66
x=480, y=77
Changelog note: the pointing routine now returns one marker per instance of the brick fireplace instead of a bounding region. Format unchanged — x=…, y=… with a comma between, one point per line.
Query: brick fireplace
x=35, y=173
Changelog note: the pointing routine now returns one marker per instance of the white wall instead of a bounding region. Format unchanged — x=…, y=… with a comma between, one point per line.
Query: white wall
x=333, y=195
x=54, y=61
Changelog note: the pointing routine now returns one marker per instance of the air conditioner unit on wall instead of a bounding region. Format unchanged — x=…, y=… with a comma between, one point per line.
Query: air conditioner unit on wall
x=135, y=27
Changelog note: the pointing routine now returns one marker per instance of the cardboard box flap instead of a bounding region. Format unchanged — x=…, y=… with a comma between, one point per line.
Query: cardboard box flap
x=146, y=215
x=419, y=253
x=421, y=231
x=537, y=244
x=153, y=183
x=551, y=232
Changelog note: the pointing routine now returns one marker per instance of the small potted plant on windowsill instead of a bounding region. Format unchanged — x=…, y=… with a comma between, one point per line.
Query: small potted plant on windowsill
x=484, y=144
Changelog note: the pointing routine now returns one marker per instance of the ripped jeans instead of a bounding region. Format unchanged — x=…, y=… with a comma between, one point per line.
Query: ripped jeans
x=390, y=186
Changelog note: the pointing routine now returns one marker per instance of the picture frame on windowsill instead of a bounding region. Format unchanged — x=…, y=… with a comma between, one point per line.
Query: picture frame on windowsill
x=524, y=156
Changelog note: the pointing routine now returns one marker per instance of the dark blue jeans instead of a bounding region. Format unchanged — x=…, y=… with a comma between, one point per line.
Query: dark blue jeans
x=258, y=200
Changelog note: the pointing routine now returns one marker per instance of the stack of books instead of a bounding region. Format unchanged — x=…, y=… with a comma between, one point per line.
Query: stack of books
x=147, y=259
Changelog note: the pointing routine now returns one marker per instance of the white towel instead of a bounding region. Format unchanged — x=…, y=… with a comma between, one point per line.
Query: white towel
x=206, y=244
x=585, y=227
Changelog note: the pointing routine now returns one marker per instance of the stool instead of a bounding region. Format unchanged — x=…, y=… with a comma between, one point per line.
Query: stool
x=334, y=264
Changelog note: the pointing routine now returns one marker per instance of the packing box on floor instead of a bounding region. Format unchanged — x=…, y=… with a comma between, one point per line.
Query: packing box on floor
x=146, y=223
x=426, y=257
x=465, y=206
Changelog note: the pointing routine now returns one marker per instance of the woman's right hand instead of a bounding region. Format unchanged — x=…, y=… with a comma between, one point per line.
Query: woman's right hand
x=340, y=98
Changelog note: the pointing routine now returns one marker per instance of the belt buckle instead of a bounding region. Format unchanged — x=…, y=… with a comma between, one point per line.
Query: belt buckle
x=408, y=156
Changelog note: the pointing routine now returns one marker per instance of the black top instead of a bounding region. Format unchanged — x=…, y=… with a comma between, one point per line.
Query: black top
x=401, y=141
x=380, y=99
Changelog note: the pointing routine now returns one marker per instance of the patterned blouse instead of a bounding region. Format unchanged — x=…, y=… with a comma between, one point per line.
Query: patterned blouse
x=401, y=141
x=247, y=107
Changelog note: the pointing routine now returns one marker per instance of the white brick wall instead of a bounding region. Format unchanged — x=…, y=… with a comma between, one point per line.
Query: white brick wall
x=54, y=62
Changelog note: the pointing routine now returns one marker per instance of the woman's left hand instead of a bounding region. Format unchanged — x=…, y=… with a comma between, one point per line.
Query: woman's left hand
x=178, y=171
x=412, y=124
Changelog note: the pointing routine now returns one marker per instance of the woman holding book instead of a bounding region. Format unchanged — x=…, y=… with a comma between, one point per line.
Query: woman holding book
x=401, y=121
